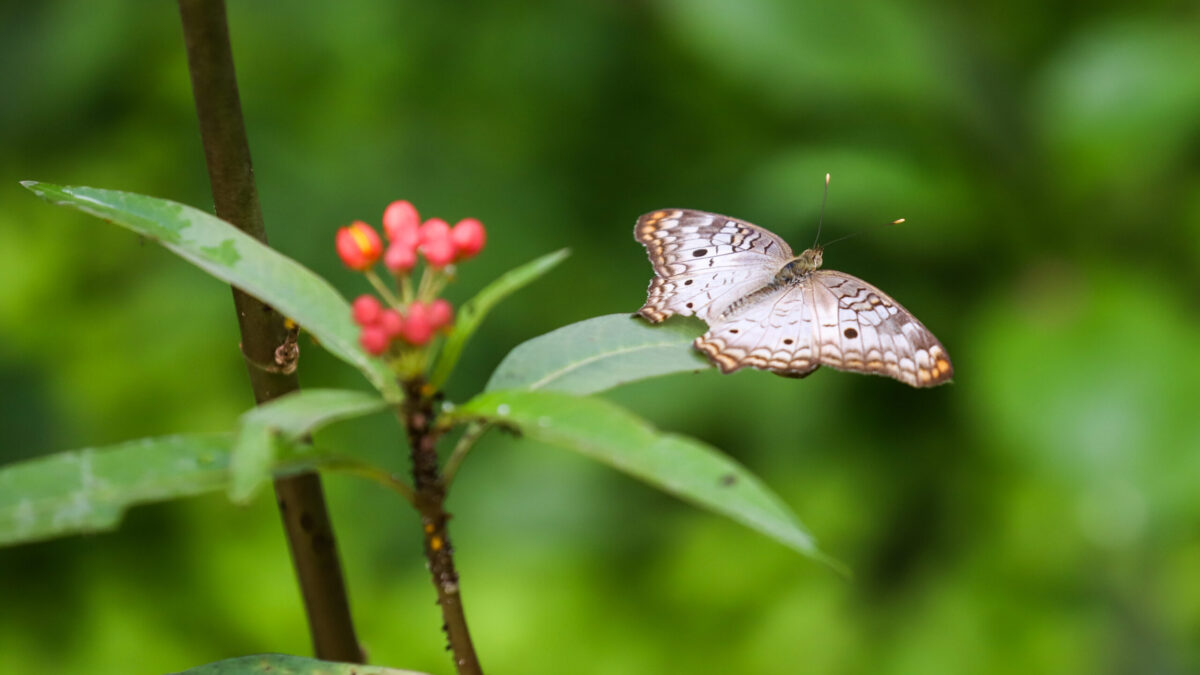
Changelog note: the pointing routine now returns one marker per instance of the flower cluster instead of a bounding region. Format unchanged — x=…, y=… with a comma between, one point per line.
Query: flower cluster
x=406, y=319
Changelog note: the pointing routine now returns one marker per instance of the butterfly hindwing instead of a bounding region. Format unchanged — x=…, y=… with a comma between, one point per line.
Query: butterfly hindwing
x=878, y=335
x=831, y=319
x=704, y=261
x=773, y=334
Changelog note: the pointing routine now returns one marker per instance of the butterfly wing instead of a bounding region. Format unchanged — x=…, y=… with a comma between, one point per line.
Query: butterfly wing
x=774, y=333
x=703, y=262
x=830, y=319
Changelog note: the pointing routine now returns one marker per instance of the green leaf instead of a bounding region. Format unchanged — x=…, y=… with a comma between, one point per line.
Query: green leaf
x=88, y=490
x=288, y=418
x=676, y=464
x=229, y=254
x=474, y=311
x=601, y=353
x=284, y=664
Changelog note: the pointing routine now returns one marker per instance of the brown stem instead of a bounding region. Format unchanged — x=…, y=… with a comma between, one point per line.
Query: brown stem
x=430, y=497
x=268, y=346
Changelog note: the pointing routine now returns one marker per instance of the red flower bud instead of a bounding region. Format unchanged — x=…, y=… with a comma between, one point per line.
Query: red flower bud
x=439, y=252
x=434, y=229
x=366, y=309
x=374, y=339
x=392, y=323
x=358, y=245
x=468, y=237
x=401, y=258
x=401, y=222
x=440, y=313
x=408, y=239
x=417, y=327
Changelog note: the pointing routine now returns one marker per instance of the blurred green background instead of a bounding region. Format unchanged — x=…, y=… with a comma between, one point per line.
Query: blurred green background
x=1039, y=515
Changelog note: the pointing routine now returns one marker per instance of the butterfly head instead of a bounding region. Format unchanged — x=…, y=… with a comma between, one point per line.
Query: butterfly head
x=809, y=261
x=799, y=267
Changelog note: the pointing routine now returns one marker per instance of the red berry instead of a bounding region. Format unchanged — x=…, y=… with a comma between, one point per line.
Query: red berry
x=440, y=313
x=435, y=242
x=400, y=258
x=400, y=221
x=417, y=327
x=358, y=245
x=468, y=237
x=374, y=339
x=392, y=323
x=409, y=239
x=439, y=252
x=366, y=309
x=434, y=229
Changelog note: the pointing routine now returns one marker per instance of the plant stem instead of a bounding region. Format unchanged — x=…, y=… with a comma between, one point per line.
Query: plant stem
x=388, y=296
x=354, y=467
x=430, y=497
x=268, y=346
x=426, y=278
x=438, y=282
x=406, y=289
x=474, y=432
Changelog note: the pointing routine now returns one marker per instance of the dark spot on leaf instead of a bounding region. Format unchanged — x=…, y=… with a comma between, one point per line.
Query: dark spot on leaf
x=688, y=282
x=699, y=252
x=788, y=341
x=510, y=430
x=850, y=333
x=728, y=479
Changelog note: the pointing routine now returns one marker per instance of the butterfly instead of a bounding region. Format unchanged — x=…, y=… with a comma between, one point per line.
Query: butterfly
x=769, y=309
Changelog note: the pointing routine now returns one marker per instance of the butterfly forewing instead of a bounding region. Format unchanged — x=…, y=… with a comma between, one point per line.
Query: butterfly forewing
x=721, y=269
x=704, y=261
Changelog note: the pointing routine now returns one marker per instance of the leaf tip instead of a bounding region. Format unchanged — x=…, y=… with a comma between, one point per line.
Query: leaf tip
x=243, y=488
x=44, y=190
x=839, y=568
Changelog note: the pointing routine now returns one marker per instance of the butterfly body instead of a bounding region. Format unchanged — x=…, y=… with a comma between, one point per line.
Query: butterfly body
x=768, y=309
x=794, y=272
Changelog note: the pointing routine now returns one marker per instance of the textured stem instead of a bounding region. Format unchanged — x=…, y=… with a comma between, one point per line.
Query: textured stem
x=430, y=497
x=269, y=347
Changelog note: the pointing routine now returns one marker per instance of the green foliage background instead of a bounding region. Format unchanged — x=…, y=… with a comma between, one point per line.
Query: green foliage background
x=1039, y=515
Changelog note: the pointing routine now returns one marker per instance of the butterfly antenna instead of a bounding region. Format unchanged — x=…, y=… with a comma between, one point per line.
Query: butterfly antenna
x=855, y=234
x=821, y=218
